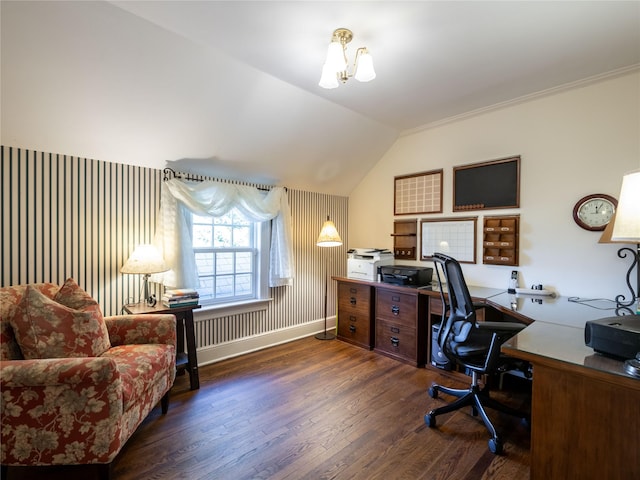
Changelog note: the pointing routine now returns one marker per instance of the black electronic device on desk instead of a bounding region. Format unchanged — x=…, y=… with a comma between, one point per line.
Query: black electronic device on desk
x=616, y=336
x=406, y=275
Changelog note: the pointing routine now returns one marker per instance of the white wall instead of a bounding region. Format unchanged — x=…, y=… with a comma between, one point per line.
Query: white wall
x=572, y=143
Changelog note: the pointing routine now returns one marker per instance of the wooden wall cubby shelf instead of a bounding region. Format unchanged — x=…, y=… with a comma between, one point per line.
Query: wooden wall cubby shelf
x=405, y=237
x=500, y=240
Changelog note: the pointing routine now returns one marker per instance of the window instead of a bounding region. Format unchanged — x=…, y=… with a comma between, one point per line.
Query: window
x=230, y=257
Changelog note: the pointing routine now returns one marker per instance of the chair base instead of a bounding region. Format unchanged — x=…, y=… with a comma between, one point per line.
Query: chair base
x=477, y=398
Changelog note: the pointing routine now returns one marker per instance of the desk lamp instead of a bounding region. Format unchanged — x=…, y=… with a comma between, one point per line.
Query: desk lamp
x=329, y=237
x=625, y=228
x=145, y=259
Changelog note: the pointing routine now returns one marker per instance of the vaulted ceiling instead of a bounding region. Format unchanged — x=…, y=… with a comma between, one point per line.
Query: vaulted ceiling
x=231, y=88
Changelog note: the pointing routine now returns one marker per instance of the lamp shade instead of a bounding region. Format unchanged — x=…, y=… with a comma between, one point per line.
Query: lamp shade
x=336, y=61
x=626, y=225
x=607, y=232
x=365, y=71
x=329, y=78
x=329, y=236
x=145, y=259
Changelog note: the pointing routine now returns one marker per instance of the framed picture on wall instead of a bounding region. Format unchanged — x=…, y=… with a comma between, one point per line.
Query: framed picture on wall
x=418, y=193
x=487, y=185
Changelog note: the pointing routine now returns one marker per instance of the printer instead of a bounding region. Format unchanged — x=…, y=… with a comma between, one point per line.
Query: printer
x=363, y=263
x=406, y=275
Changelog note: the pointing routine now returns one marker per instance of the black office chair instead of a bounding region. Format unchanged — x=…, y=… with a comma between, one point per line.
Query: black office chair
x=472, y=344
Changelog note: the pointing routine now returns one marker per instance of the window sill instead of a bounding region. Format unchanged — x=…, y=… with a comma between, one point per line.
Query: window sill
x=227, y=309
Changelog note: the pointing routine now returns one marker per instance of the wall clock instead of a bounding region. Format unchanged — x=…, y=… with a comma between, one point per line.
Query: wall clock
x=594, y=212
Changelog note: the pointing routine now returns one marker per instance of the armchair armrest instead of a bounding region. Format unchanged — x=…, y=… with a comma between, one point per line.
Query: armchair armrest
x=49, y=404
x=141, y=329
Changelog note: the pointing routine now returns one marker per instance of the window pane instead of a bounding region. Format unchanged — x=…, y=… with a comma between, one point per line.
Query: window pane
x=224, y=263
x=243, y=284
x=244, y=262
x=206, y=288
x=242, y=236
x=224, y=286
x=222, y=237
x=204, y=261
x=202, y=235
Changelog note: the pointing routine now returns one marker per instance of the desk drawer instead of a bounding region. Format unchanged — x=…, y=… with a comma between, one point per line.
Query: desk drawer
x=353, y=298
x=396, y=307
x=355, y=329
x=396, y=339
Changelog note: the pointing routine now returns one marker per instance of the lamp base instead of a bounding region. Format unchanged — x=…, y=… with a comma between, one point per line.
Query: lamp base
x=325, y=336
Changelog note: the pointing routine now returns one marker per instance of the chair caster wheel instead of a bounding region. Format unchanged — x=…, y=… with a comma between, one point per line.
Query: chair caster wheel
x=433, y=392
x=495, y=446
x=430, y=420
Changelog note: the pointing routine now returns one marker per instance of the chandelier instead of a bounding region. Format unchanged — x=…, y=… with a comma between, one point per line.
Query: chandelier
x=336, y=66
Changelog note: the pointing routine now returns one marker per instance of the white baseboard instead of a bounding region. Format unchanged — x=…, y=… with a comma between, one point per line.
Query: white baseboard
x=216, y=353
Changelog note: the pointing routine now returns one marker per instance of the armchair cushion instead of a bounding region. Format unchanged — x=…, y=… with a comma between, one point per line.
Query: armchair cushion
x=45, y=328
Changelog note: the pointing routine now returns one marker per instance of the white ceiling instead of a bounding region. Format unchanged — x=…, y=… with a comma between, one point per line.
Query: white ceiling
x=231, y=88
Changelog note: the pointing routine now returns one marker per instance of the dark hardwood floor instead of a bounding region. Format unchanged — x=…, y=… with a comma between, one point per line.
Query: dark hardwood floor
x=312, y=409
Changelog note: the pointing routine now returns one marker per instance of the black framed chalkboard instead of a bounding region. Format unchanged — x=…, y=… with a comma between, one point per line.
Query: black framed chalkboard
x=487, y=185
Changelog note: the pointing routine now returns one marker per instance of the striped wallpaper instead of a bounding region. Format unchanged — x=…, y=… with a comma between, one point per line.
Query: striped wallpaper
x=65, y=216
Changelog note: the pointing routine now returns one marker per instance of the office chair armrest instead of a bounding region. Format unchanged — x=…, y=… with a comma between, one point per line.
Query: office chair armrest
x=507, y=327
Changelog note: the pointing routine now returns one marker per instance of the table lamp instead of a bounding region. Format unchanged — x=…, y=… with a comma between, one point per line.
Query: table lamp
x=624, y=227
x=145, y=259
x=329, y=237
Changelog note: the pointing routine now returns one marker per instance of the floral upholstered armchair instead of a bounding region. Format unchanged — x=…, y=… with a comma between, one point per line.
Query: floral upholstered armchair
x=75, y=385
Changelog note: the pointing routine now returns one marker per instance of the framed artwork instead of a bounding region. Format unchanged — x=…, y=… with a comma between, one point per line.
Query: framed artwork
x=418, y=193
x=455, y=237
x=487, y=185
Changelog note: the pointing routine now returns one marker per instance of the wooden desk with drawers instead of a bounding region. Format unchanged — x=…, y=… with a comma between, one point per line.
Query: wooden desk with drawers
x=393, y=320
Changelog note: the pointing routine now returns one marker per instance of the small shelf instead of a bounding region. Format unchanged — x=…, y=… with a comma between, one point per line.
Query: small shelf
x=405, y=237
x=500, y=241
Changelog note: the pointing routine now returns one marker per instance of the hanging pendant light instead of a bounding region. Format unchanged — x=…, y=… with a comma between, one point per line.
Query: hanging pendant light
x=336, y=65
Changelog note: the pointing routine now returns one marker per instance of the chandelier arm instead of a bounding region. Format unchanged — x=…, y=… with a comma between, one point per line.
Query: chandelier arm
x=359, y=51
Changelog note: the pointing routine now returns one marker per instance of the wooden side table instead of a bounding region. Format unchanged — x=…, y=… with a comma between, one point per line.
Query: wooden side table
x=184, y=328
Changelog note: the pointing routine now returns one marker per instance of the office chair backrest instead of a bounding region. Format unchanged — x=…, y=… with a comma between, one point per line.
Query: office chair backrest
x=459, y=305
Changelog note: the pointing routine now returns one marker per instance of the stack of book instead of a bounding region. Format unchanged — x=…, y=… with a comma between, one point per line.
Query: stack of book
x=180, y=298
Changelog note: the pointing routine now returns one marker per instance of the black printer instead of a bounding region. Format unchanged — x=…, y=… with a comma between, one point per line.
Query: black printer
x=406, y=275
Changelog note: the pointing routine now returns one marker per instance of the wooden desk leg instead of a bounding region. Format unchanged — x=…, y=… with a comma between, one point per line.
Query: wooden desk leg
x=191, y=350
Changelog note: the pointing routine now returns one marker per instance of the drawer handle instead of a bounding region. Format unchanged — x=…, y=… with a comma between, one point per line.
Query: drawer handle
x=395, y=330
x=395, y=310
x=352, y=300
x=352, y=328
x=395, y=298
x=352, y=318
x=395, y=341
x=353, y=290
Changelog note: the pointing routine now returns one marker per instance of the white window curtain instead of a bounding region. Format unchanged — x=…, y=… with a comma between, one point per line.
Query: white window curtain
x=173, y=235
